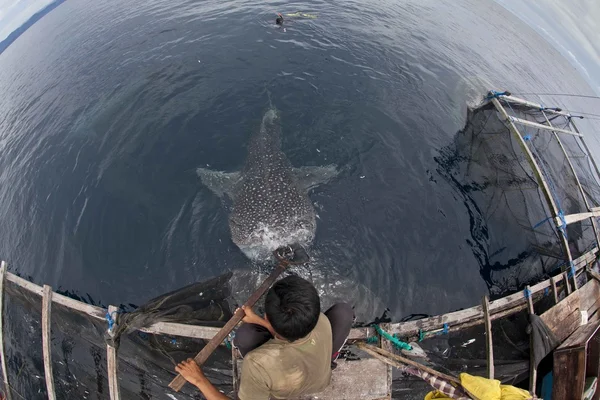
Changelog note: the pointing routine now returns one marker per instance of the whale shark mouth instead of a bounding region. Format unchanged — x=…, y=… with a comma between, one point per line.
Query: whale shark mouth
x=265, y=239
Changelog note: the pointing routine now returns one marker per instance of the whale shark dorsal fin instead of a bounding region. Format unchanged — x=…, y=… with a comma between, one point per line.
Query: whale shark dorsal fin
x=221, y=183
x=310, y=177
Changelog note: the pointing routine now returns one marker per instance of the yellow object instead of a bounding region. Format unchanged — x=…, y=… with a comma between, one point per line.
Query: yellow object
x=481, y=388
x=484, y=389
x=514, y=393
x=436, y=394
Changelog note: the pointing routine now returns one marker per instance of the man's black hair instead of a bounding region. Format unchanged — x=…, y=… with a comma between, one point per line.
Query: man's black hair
x=292, y=306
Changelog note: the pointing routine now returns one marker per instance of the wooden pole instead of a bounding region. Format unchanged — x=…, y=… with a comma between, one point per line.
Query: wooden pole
x=537, y=172
x=554, y=291
x=3, y=268
x=46, y=336
x=112, y=359
x=567, y=284
x=398, y=361
x=177, y=383
x=532, y=367
x=485, y=303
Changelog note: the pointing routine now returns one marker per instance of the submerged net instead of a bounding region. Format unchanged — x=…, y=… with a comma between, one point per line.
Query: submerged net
x=513, y=235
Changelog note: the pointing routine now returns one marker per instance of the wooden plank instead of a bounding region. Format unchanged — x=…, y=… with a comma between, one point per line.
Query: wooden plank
x=593, y=274
x=532, y=365
x=538, y=174
x=592, y=367
x=3, y=275
x=564, y=318
x=407, y=329
x=580, y=337
x=46, y=339
x=568, y=383
x=112, y=360
x=540, y=126
x=489, y=345
x=554, y=291
x=589, y=295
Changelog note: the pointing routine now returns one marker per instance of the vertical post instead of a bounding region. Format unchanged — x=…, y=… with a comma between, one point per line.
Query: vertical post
x=554, y=291
x=112, y=359
x=489, y=344
x=583, y=195
x=3, y=268
x=386, y=345
x=532, y=367
x=538, y=174
x=46, y=336
x=567, y=283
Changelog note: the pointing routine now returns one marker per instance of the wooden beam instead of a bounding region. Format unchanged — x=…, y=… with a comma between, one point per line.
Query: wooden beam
x=554, y=291
x=489, y=345
x=471, y=314
x=46, y=341
x=593, y=273
x=572, y=218
x=113, y=360
x=540, y=126
x=538, y=174
x=3, y=274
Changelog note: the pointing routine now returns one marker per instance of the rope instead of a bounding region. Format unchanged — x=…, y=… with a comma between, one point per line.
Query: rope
x=526, y=293
x=110, y=319
x=393, y=339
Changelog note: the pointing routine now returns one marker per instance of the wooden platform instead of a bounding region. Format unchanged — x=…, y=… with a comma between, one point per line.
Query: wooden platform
x=365, y=379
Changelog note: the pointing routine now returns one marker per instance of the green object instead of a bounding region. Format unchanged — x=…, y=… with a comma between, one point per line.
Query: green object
x=393, y=339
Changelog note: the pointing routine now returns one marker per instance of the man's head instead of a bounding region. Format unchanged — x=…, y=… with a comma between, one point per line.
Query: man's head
x=292, y=306
x=279, y=19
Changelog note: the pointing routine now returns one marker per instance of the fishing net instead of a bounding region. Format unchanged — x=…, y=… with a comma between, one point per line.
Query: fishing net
x=78, y=345
x=514, y=238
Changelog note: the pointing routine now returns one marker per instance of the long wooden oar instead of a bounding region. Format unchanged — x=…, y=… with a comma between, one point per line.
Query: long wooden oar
x=286, y=257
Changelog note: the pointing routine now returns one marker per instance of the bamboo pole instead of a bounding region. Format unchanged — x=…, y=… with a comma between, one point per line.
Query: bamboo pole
x=113, y=360
x=537, y=171
x=554, y=291
x=532, y=367
x=46, y=336
x=3, y=268
x=489, y=345
x=400, y=362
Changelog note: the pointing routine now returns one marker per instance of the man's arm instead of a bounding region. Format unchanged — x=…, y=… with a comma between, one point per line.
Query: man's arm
x=194, y=375
x=252, y=318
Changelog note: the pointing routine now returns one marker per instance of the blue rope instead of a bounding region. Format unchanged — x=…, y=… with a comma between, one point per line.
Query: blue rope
x=110, y=320
x=494, y=94
x=571, y=271
x=527, y=293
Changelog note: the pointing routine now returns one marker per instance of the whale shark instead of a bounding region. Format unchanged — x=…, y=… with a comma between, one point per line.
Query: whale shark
x=270, y=207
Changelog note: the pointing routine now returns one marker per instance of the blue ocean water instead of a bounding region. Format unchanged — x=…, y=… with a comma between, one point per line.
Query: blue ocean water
x=107, y=109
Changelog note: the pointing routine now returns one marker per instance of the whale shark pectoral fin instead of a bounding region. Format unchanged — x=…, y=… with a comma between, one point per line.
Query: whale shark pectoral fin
x=311, y=177
x=221, y=183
